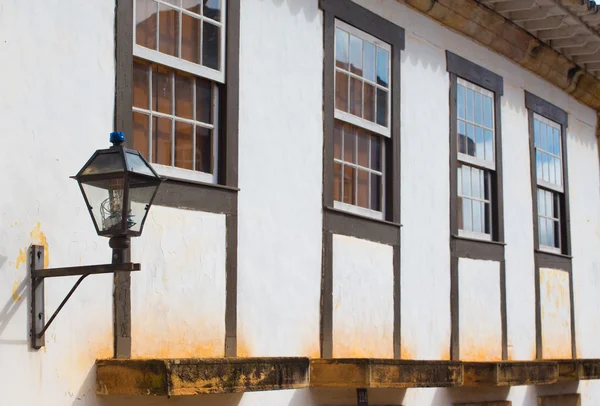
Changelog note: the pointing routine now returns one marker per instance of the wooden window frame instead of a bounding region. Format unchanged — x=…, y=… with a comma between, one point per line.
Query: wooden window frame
x=342, y=222
x=548, y=258
x=463, y=246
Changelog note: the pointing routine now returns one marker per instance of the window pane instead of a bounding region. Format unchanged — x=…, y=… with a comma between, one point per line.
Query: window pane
x=356, y=96
x=460, y=101
x=543, y=144
x=470, y=105
x=471, y=140
x=210, y=45
x=190, y=38
x=557, y=141
x=337, y=181
x=462, y=137
x=337, y=140
x=184, y=97
x=369, y=61
x=349, y=143
x=363, y=189
x=538, y=164
x=341, y=91
x=556, y=233
x=536, y=133
x=466, y=214
x=476, y=181
x=466, y=180
x=479, y=143
x=140, y=133
x=341, y=49
x=541, y=202
x=551, y=170
x=382, y=67
x=487, y=112
x=549, y=203
x=145, y=23
x=478, y=108
x=162, y=91
x=550, y=231
x=203, y=101
x=203, y=150
x=363, y=148
x=140, y=85
x=356, y=55
x=212, y=9
x=489, y=145
x=545, y=168
x=542, y=232
x=477, y=216
x=376, y=153
x=376, y=192
x=558, y=169
x=168, y=23
x=487, y=217
x=161, y=140
x=192, y=5
x=349, y=185
x=382, y=106
x=549, y=140
x=184, y=148
x=369, y=102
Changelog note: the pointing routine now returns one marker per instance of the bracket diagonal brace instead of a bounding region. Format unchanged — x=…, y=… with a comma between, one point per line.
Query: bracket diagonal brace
x=39, y=274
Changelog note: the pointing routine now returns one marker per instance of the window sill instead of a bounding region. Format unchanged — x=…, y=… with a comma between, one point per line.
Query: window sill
x=461, y=237
x=342, y=222
x=196, y=195
x=199, y=183
x=554, y=254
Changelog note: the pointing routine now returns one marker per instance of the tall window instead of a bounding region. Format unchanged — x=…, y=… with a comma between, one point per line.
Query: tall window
x=362, y=120
x=549, y=175
x=476, y=158
x=177, y=77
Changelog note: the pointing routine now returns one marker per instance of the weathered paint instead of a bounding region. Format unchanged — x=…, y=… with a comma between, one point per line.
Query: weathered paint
x=556, y=313
x=363, y=299
x=56, y=108
x=479, y=310
x=178, y=301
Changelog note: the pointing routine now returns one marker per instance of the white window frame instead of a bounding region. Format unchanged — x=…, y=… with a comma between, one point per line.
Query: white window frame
x=541, y=182
x=198, y=70
x=468, y=159
x=349, y=117
x=376, y=129
x=470, y=233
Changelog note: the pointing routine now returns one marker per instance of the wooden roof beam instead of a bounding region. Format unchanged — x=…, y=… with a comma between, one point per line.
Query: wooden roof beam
x=514, y=5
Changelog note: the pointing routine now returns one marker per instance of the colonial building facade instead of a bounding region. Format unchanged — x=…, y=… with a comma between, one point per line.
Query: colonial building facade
x=364, y=201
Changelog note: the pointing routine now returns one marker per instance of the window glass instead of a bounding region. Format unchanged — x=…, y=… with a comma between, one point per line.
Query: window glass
x=475, y=112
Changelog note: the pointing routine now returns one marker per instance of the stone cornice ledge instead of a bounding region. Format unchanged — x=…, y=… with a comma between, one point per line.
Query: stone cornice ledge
x=184, y=377
x=502, y=36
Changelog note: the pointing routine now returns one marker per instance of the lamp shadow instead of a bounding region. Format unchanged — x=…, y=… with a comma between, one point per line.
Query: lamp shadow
x=19, y=296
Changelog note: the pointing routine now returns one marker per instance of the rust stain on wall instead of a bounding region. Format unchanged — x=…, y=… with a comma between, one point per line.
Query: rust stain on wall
x=15, y=292
x=555, y=303
x=174, y=345
x=21, y=258
x=375, y=346
x=40, y=238
x=485, y=351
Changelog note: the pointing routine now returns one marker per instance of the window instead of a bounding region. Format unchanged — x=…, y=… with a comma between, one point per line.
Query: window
x=362, y=120
x=178, y=76
x=475, y=156
x=475, y=124
x=547, y=124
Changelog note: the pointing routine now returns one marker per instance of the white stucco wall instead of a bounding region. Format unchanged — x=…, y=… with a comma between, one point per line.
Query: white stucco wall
x=556, y=313
x=363, y=299
x=178, y=301
x=479, y=311
x=56, y=106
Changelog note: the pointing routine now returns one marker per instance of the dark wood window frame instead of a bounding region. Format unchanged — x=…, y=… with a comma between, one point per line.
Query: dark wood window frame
x=337, y=221
x=221, y=198
x=463, y=247
x=542, y=258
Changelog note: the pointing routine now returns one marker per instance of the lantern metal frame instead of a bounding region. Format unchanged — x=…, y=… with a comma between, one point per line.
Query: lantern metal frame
x=126, y=174
x=119, y=241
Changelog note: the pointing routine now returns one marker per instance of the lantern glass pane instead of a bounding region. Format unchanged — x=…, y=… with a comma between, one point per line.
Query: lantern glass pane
x=106, y=200
x=104, y=163
x=136, y=164
x=141, y=191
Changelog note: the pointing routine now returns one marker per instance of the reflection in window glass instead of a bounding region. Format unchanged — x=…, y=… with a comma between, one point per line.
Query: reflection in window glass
x=475, y=123
x=473, y=199
x=357, y=158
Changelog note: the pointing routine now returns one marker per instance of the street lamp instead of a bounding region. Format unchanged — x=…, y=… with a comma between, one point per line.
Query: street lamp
x=118, y=186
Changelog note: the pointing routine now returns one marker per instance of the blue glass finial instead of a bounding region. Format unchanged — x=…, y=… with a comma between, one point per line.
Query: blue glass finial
x=117, y=138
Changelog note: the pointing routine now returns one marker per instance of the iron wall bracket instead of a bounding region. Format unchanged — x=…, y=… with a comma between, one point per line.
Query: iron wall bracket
x=38, y=274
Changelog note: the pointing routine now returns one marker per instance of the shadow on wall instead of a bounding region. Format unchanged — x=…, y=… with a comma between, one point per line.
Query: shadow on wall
x=19, y=296
x=310, y=8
